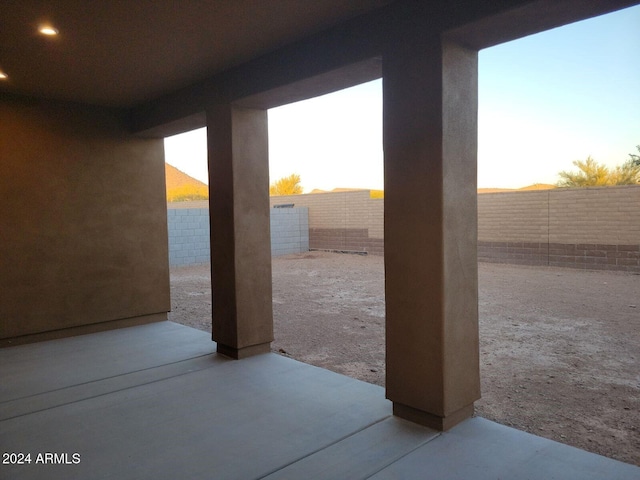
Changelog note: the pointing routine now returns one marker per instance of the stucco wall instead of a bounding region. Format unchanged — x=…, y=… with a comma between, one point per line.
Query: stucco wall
x=84, y=233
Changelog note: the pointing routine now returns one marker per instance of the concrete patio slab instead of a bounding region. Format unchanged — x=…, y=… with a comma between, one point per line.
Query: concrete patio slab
x=480, y=449
x=153, y=402
x=375, y=448
x=46, y=366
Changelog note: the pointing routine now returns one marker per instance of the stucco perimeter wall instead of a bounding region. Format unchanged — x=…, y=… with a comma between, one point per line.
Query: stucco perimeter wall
x=342, y=221
x=596, y=228
x=83, y=241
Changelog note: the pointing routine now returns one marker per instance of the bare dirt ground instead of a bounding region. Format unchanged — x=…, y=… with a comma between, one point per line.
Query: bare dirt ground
x=559, y=348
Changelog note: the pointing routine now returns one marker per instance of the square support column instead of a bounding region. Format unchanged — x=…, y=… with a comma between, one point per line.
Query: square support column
x=239, y=221
x=430, y=144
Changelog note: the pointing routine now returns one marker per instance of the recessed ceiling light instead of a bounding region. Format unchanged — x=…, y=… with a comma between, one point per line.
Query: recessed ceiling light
x=3, y=76
x=48, y=30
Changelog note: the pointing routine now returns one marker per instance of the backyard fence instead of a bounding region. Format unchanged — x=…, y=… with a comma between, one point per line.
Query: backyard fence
x=594, y=228
x=188, y=228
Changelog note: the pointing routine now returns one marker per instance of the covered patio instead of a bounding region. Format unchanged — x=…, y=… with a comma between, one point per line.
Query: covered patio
x=155, y=401
x=89, y=90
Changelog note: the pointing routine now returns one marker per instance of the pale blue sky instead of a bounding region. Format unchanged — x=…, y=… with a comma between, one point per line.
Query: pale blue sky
x=544, y=101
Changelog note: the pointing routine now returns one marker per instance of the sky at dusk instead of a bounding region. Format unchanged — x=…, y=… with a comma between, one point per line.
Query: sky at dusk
x=544, y=101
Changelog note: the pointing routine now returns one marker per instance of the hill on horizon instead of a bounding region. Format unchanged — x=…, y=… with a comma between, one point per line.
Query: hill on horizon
x=182, y=187
x=380, y=193
x=528, y=188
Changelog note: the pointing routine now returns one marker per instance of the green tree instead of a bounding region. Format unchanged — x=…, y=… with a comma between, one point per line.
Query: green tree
x=186, y=193
x=286, y=186
x=590, y=173
x=635, y=159
x=626, y=174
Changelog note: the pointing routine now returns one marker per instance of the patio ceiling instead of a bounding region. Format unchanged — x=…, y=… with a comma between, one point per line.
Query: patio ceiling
x=121, y=53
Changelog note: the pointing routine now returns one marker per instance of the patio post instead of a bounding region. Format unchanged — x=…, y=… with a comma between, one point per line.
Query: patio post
x=430, y=142
x=239, y=222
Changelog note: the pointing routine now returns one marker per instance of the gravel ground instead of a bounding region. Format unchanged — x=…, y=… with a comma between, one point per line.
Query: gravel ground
x=559, y=348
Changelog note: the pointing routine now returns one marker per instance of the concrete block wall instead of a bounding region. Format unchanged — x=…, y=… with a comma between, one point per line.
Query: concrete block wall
x=598, y=215
x=514, y=216
x=289, y=230
x=594, y=228
x=188, y=235
x=188, y=226
x=342, y=221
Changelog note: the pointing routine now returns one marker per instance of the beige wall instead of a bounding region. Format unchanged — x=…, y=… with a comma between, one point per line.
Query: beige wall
x=584, y=227
x=594, y=228
x=599, y=215
x=84, y=237
x=350, y=221
x=513, y=216
x=354, y=209
x=605, y=215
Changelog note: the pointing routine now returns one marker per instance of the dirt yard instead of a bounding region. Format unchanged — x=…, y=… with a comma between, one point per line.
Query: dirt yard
x=559, y=348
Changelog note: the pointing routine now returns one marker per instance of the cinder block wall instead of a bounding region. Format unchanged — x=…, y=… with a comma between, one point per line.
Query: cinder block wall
x=188, y=226
x=513, y=227
x=289, y=230
x=596, y=228
x=188, y=233
x=342, y=221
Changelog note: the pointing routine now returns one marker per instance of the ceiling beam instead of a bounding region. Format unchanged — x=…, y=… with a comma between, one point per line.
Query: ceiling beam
x=351, y=53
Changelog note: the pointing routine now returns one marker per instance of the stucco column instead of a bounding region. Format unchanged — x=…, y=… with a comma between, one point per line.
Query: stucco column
x=430, y=142
x=240, y=239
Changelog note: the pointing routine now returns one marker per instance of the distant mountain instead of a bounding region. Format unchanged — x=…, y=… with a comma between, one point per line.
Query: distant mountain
x=495, y=190
x=182, y=187
x=337, y=190
x=538, y=186
x=380, y=193
x=535, y=186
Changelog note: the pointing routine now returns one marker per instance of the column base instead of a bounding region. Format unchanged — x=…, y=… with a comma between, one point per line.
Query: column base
x=430, y=420
x=240, y=353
